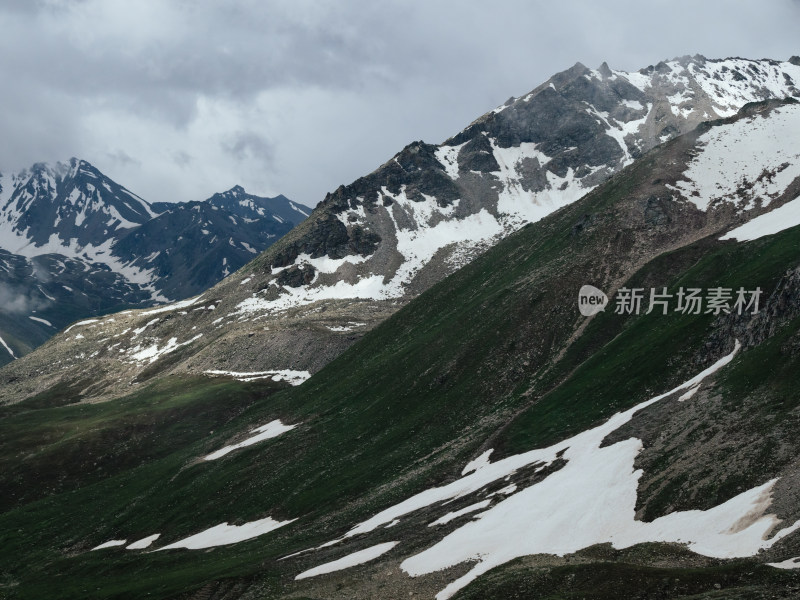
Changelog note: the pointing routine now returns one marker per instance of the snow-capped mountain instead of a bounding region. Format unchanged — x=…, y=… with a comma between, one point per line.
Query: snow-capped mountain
x=431, y=208
x=372, y=246
x=252, y=208
x=66, y=208
x=488, y=440
x=76, y=244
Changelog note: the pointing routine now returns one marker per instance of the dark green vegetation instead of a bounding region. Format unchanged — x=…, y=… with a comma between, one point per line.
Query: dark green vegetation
x=489, y=358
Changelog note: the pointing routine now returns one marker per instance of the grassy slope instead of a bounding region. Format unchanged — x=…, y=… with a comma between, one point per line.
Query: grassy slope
x=400, y=411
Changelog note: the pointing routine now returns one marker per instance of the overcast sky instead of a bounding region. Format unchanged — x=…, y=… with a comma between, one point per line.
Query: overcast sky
x=179, y=99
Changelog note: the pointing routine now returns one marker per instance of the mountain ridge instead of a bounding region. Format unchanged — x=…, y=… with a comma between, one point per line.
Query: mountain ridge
x=51, y=215
x=373, y=245
x=385, y=451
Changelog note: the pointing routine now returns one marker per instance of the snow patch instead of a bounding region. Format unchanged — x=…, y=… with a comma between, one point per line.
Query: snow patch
x=265, y=432
x=775, y=221
x=287, y=375
x=755, y=158
x=351, y=560
x=144, y=542
x=224, y=534
x=109, y=544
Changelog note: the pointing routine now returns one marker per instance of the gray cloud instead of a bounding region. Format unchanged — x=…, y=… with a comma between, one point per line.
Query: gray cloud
x=16, y=302
x=121, y=157
x=320, y=91
x=249, y=145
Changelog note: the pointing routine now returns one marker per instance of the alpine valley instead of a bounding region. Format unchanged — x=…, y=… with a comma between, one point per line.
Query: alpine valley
x=75, y=244
x=400, y=397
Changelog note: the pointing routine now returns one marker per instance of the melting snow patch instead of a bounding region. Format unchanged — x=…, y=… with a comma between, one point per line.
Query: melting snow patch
x=265, y=432
x=506, y=491
x=109, y=544
x=79, y=323
x=590, y=500
x=224, y=534
x=775, y=221
x=478, y=463
x=144, y=542
x=791, y=563
x=171, y=307
x=351, y=560
x=39, y=320
x=753, y=158
x=287, y=375
x=6, y=346
x=153, y=353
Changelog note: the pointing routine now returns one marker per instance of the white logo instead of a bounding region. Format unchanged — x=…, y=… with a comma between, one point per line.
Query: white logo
x=591, y=300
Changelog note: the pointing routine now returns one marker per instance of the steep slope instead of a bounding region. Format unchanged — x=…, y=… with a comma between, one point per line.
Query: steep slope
x=54, y=215
x=193, y=245
x=625, y=454
x=373, y=245
x=47, y=209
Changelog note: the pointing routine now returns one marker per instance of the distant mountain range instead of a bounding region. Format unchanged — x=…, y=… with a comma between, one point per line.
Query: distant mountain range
x=373, y=245
x=75, y=244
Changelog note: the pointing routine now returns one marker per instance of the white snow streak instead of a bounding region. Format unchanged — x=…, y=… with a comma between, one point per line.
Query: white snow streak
x=109, y=544
x=144, y=542
x=224, y=534
x=265, y=432
x=775, y=221
x=351, y=560
x=287, y=375
x=6, y=346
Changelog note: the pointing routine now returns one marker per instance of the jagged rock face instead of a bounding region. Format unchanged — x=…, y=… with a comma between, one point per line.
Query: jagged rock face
x=57, y=220
x=430, y=208
x=54, y=205
x=191, y=246
x=305, y=300
x=252, y=208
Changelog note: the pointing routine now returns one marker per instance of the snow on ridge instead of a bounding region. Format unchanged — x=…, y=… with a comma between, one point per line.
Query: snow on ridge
x=81, y=324
x=757, y=154
x=762, y=80
x=271, y=430
x=288, y=375
x=448, y=158
x=518, y=206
